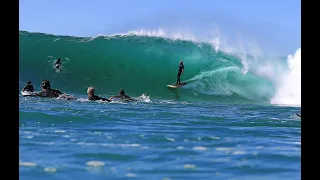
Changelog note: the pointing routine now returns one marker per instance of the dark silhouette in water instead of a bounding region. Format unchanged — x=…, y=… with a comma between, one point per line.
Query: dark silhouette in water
x=47, y=92
x=123, y=96
x=58, y=64
x=29, y=87
x=93, y=97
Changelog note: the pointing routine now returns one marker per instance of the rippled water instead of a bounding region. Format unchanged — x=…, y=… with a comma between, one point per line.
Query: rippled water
x=157, y=140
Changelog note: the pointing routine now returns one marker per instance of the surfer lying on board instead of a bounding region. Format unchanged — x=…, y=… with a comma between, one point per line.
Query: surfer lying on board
x=123, y=96
x=93, y=97
x=51, y=93
x=29, y=87
x=180, y=71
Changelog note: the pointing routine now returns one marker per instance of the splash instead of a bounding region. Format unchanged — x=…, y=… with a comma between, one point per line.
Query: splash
x=289, y=89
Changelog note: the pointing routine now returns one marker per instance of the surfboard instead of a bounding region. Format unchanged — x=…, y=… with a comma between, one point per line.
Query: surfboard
x=27, y=93
x=177, y=85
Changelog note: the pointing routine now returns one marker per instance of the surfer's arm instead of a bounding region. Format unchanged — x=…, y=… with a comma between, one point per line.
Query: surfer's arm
x=115, y=97
x=129, y=98
x=101, y=98
x=57, y=91
x=105, y=99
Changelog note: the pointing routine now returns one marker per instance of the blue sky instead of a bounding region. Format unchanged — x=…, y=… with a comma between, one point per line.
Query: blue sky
x=271, y=21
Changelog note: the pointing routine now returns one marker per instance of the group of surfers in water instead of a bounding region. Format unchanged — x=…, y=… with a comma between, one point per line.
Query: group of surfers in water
x=48, y=92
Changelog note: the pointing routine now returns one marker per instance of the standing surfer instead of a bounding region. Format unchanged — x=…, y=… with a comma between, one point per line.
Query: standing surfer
x=180, y=71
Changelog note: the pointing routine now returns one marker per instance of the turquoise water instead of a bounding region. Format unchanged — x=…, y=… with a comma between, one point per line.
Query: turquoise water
x=221, y=125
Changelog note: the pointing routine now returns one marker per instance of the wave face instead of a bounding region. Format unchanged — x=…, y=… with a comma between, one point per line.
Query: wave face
x=141, y=64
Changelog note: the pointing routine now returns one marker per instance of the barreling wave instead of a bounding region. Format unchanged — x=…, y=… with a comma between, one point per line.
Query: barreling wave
x=139, y=64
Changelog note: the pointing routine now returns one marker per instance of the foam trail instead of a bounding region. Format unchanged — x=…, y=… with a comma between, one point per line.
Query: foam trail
x=289, y=89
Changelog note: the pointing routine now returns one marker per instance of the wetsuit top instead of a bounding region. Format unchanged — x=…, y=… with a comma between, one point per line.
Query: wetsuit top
x=29, y=88
x=58, y=62
x=124, y=97
x=95, y=98
x=181, y=66
x=52, y=93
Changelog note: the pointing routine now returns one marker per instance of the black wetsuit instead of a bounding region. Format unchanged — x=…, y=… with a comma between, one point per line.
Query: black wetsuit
x=58, y=64
x=124, y=97
x=181, y=67
x=52, y=93
x=28, y=88
x=95, y=98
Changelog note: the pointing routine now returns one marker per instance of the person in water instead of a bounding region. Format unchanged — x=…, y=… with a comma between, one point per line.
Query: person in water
x=180, y=71
x=57, y=64
x=123, y=96
x=47, y=92
x=93, y=97
x=29, y=87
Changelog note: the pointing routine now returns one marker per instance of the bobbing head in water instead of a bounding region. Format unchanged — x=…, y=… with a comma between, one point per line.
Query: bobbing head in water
x=90, y=91
x=93, y=97
x=45, y=85
x=121, y=92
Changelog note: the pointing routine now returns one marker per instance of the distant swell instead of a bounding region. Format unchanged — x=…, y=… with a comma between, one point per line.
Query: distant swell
x=140, y=64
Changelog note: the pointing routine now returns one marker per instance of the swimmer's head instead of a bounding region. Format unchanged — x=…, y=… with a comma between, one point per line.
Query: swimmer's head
x=90, y=91
x=121, y=92
x=45, y=84
x=28, y=82
x=181, y=62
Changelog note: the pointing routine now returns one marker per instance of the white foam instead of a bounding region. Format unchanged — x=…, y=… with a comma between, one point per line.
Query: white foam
x=170, y=139
x=289, y=88
x=50, y=169
x=259, y=147
x=180, y=147
x=95, y=163
x=59, y=131
x=189, y=166
x=239, y=152
x=28, y=137
x=215, y=137
x=144, y=98
x=131, y=175
x=200, y=148
x=28, y=164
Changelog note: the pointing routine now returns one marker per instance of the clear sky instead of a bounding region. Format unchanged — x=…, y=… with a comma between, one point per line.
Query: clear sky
x=268, y=20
